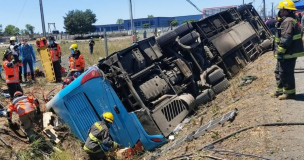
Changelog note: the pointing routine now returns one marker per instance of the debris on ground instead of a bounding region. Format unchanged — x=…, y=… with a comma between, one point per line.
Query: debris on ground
x=247, y=79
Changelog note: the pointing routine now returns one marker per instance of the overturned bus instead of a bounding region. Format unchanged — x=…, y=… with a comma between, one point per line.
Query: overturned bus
x=151, y=86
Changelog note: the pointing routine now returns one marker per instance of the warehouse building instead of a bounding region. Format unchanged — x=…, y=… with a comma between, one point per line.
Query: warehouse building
x=147, y=22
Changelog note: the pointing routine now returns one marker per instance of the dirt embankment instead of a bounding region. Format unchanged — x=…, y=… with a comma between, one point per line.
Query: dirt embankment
x=255, y=106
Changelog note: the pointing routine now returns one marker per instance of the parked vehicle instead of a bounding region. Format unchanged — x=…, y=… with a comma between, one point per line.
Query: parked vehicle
x=151, y=86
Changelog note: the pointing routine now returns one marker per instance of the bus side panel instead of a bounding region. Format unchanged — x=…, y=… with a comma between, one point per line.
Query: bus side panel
x=104, y=99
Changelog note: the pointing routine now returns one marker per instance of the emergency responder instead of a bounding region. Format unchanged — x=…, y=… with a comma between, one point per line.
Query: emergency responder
x=11, y=68
x=91, y=45
x=28, y=58
x=55, y=53
x=288, y=46
x=25, y=108
x=14, y=47
x=76, y=60
x=99, y=138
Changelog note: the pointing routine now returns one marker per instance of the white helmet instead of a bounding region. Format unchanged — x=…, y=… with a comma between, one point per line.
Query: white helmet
x=159, y=30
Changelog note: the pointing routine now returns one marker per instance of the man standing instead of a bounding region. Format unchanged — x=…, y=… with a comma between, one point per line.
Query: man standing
x=91, y=45
x=55, y=52
x=28, y=58
x=288, y=47
x=24, y=106
x=271, y=25
x=14, y=47
x=99, y=138
x=11, y=68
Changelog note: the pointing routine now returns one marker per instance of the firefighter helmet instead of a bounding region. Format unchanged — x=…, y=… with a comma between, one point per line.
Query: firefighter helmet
x=287, y=4
x=74, y=47
x=6, y=52
x=13, y=38
x=108, y=116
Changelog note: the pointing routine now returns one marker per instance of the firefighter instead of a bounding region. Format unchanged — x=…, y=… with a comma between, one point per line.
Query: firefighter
x=99, y=138
x=24, y=106
x=11, y=68
x=76, y=60
x=55, y=52
x=288, y=46
x=14, y=47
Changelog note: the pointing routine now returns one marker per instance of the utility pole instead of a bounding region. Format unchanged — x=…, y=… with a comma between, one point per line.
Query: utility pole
x=264, y=12
x=243, y=2
x=272, y=10
x=131, y=19
x=42, y=18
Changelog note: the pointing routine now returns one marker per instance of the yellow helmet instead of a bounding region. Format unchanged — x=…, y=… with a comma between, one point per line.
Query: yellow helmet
x=74, y=46
x=108, y=116
x=13, y=38
x=287, y=4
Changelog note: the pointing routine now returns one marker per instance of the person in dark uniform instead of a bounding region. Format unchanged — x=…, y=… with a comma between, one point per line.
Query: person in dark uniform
x=99, y=138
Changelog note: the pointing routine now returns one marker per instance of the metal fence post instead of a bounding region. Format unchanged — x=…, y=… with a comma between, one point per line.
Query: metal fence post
x=105, y=40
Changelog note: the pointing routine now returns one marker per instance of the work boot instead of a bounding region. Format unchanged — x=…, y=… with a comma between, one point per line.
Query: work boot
x=276, y=94
x=286, y=96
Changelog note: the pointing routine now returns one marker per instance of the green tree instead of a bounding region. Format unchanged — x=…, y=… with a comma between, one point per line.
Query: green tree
x=79, y=22
x=24, y=32
x=30, y=28
x=191, y=20
x=11, y=30
x=150, y=16
x=174, y=23
x=119, y=22
x=146, y=25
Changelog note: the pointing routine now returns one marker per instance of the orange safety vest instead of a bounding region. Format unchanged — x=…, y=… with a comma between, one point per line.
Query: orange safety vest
x=11, y=74
x=77, y=63
x=55, y=52
x=22, y=105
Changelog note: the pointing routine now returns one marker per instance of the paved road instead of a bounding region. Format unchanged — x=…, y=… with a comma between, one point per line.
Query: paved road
x=290, y=140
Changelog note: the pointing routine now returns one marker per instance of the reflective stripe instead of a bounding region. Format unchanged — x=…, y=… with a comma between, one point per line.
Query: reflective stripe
x=281, y=49
x=115, y=145
x=92, y=137
x=97, y=125
x=88, y=150
x=277, y=39
x=295, y=55
x=296, y=37
x=291, y=91
x=279, y=90
x=23, y=106
x=54, y=58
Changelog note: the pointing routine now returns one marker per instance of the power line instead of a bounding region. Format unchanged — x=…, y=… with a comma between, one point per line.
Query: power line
x=20, y=12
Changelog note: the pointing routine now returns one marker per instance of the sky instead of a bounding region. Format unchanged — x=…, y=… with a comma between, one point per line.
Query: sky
x=22, y=12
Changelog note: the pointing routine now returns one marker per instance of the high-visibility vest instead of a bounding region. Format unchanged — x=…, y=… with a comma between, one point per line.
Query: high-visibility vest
x=55, y=52
x=77, y=63
x=22, y=105
x=11, y=74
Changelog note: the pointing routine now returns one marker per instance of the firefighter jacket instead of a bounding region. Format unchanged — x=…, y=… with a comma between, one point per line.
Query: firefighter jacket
x=55, y=52
x=11, y=71
x=77, y=61
x=22, y=105
x=288, y=42
x=99, y=138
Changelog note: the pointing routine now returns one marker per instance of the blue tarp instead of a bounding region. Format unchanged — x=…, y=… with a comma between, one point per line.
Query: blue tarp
x=300, y=5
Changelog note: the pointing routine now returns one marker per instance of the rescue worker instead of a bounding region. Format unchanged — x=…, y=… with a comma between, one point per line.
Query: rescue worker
x=76, y=60
x=28, y=58
x=91, y=45
x=14, y=47
x=288, y=46
x=55, y=52
x=11, y=68
x=24, y=106
x=99, y=138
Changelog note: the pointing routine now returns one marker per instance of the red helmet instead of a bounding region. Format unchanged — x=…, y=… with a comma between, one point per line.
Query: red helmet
x=18, y=93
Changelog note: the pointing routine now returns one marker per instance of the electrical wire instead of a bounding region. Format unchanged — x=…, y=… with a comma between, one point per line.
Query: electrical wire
x=208, y=146
x=237, y=153
x=21, y=12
